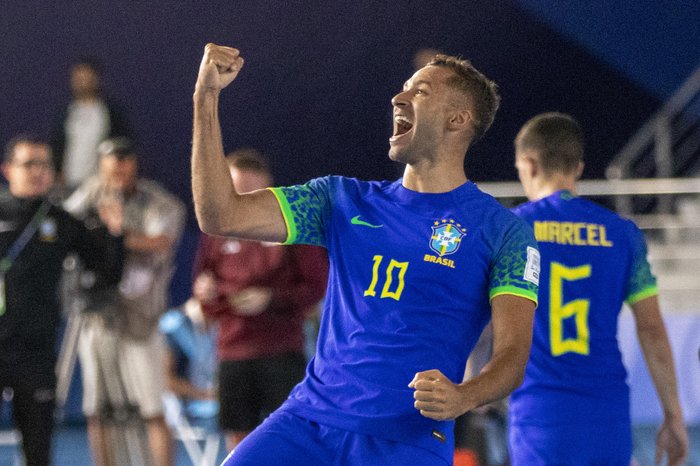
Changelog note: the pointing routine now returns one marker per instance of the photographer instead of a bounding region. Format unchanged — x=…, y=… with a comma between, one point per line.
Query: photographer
x=35, y=237
x=121, y=352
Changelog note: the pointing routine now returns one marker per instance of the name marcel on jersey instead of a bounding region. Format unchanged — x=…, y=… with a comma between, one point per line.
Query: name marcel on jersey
x=572, y=233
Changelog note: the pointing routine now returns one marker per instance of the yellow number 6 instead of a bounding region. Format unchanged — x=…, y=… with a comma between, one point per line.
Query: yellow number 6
x=558, y=311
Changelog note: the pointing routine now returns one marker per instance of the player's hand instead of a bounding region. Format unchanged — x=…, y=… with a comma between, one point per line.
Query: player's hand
x=220, y=65
x=672, y=440
x=251, y=301
x=204, y=289
x=437, y=397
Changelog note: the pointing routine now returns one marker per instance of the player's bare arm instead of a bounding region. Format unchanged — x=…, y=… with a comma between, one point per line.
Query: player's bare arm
x=436, y=397
x=672, y=439
x=220, y=209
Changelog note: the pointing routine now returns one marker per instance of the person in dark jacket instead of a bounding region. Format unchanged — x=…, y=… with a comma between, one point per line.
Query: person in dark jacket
x=35, y=237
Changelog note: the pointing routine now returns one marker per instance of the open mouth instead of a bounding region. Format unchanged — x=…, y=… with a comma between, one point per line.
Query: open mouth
x=401, y=126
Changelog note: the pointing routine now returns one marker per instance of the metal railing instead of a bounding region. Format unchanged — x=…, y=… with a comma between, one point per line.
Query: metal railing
x=673, y=238
x=667, y=145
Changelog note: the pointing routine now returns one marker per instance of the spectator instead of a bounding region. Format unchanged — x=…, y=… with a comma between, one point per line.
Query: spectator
x=35, y=238
x=191, y=360
x=88, y=119
x=125, y=330
x=260, y=294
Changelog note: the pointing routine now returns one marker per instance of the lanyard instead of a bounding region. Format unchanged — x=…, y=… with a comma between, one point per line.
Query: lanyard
x=17, y=247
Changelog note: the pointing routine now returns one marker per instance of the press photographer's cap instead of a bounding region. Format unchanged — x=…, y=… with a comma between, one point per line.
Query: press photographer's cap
x=120, y=147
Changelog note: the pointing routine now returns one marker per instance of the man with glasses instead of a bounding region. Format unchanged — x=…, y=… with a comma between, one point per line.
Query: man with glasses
x=35, y=237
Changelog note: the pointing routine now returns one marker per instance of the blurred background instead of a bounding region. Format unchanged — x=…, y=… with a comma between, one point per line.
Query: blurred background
x=315, y=91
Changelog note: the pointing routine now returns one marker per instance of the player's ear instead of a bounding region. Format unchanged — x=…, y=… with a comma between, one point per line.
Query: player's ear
x=579, y=169
x=529, y=164
x=461, y=119
x=534, y=166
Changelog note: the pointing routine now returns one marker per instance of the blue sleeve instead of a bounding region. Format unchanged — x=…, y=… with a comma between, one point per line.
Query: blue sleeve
x=306, y=210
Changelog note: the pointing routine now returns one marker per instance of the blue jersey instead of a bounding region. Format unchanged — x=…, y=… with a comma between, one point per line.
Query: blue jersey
x=411, y=278
x=592, y=261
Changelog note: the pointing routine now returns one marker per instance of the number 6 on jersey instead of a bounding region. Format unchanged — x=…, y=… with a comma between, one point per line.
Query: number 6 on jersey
x=558, y=311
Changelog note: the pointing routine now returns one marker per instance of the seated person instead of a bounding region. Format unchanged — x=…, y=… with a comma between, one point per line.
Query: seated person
x=191, y=361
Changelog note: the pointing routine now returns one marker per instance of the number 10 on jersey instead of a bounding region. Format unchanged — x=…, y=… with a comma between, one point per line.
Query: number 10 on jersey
x=394, y=267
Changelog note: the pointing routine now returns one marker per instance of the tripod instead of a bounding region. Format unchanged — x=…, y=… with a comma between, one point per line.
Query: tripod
x=125, y=430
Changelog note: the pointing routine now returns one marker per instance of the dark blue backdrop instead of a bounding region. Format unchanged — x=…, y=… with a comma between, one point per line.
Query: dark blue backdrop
x=315, y=92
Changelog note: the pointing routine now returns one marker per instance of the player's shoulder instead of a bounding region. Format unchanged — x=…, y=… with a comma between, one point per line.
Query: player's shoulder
x=604, y=215
x=353, y=186
x=496, y=219
x=491, y=208
x=565, y=206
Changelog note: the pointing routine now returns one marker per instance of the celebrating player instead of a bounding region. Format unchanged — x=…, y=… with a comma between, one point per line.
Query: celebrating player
x=417, y=268
x=573, y=406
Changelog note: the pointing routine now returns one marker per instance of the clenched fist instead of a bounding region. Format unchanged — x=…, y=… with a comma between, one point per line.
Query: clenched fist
x=436, y=397
x=220, y=65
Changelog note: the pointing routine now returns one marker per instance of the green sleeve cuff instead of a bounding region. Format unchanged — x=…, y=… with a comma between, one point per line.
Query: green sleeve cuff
x=645, y=293
x=512, y=290
x=287, y=214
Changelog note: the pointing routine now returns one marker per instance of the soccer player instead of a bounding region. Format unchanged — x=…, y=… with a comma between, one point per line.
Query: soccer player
x=573, y=406
x=417, y=268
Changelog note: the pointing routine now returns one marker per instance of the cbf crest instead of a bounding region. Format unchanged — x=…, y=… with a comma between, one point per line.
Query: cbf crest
x=447, y=236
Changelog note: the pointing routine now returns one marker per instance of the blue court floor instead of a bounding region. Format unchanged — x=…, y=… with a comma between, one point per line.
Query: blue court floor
x=71, y=448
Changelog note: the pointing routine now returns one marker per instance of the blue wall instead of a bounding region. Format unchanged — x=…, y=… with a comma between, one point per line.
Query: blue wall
x=656, y=44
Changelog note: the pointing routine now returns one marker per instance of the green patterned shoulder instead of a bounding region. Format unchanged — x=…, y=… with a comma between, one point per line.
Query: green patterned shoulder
x=642, y=282
x=516, y=266
x=303, y=208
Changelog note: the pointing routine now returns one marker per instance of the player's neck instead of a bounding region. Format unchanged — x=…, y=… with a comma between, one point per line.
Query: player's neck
x=433, y=178
x=548, y=187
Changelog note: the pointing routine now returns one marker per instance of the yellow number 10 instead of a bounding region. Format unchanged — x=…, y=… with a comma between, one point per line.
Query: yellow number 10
x=396, y=294
x=558, y=311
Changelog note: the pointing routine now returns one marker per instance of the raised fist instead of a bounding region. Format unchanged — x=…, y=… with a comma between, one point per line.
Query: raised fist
x=220, y=65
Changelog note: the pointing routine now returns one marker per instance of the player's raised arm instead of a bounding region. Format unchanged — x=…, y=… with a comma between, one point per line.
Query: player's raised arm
x=220, y=210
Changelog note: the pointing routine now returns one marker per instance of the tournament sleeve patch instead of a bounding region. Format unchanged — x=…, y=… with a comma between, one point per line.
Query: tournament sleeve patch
x=532, y=266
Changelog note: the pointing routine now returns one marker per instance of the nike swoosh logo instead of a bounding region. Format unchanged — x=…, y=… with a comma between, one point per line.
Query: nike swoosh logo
x=356, y=221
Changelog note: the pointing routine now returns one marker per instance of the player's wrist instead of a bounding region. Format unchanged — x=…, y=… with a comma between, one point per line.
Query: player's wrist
x=204, y=95
x=672, y=416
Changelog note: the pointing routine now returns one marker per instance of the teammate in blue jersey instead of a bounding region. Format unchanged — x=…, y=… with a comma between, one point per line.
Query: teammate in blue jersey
x=417, y=268
x=573, y=406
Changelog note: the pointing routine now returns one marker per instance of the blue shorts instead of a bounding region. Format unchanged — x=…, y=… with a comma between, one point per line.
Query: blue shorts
x=286, y=439
x=594, y=444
